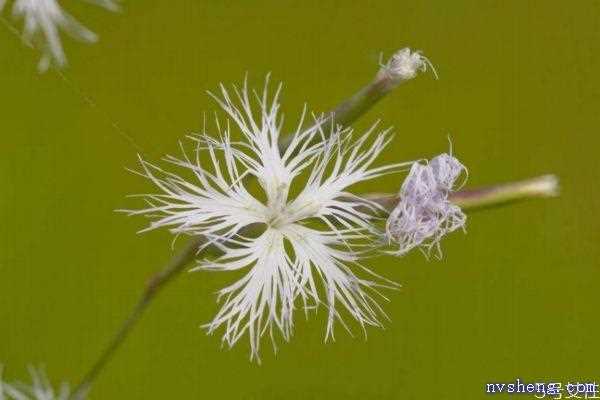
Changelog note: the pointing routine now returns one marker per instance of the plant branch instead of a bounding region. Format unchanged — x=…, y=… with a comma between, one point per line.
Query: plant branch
x=153, y=287
x=403, y=66
x=488, y=196
x=538, y=187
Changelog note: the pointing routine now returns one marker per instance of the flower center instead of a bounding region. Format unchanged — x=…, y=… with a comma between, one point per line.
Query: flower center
x=293, y=213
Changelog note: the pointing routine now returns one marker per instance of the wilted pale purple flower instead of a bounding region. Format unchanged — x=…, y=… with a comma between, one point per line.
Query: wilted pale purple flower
x=42, y=22
x=40, y=388
x=424, y=214
x=310, y=243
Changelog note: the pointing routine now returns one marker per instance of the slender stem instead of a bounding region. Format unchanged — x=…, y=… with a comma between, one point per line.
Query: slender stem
x=349, y=110
x=541, y=186
x=488, y=196
x=403, y=66
x=153, y=287
x=362, y=101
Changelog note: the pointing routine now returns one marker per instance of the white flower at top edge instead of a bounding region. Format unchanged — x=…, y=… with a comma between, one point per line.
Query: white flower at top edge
x=44, y=19
x=291, y=261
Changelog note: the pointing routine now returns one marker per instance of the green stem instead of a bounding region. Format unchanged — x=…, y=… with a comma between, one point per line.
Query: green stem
x=538, y=187
x=153, y=287
x=351, y=109
x=362, y=101
x=488, y=196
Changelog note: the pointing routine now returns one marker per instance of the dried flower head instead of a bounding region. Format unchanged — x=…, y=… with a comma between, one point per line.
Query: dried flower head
x=424, y=214
x=40, y=388
x=42, y=22
x=405, y=64
x=310, y=243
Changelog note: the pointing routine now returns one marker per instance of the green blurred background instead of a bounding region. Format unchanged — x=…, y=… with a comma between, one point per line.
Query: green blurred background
x=515, y=297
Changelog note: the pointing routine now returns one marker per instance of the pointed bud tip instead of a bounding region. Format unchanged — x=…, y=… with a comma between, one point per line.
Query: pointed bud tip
x=545, y=186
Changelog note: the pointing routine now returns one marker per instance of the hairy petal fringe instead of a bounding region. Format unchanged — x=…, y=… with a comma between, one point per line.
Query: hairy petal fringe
x=291, y=263
x=424, y=215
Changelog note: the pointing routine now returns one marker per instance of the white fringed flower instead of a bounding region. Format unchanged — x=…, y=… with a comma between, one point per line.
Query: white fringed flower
x=40, y=388
x=42, y=22
x=424, y=214
x=310, y=243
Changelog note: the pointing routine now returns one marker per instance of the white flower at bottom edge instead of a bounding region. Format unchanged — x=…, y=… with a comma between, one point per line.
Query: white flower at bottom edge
x=39, y=389
x=309, y=248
